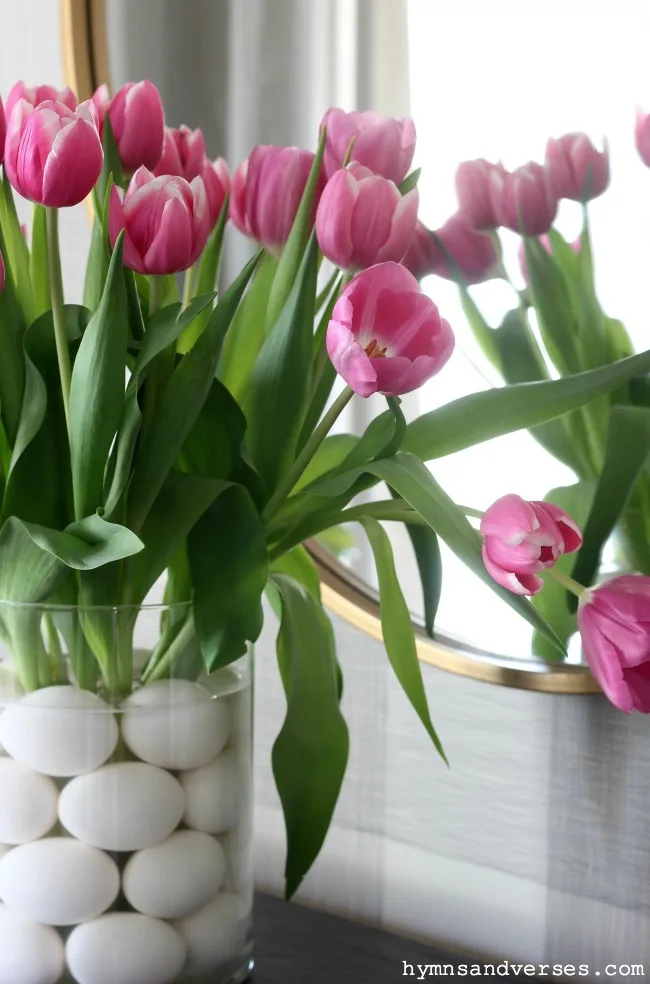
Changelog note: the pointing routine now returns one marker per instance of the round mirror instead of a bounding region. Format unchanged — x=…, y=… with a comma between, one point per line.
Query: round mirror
x=251, y=72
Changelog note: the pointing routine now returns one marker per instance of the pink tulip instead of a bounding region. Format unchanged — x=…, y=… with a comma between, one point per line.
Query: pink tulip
x=137, y=120
x=362, y=219
x=166, y=222
x=575, y=168
x=383, y=143
x=423, y=254
x=475, y=255
x=183, y=153
x=266, y=193
x=37, y=95
x=385, y=335
x=3, y=131
x=614, y=623
x=473, y=180
x=576, y=246
x=216, y=178
x=52, y=154
x=642, y=136
x=522, y=200
x=522, y=538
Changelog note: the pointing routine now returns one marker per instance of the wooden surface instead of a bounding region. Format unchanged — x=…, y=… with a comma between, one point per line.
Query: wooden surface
x=295, y=945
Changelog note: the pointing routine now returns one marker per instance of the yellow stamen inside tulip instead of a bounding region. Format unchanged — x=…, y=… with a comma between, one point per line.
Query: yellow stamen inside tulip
x=373, y=351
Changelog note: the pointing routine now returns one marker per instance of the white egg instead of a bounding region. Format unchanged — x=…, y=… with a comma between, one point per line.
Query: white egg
x=213, y=795
x=125, y=948
x=4, y=849
x=124, y=806
x=239, y=877
x=175, y=878
x=175, y=724
x=28, y=803
x=58, y=881
x=61, y=731
x=29, y=953
x=216, y=935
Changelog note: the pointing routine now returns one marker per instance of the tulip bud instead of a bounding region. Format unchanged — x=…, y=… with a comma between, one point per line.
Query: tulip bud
x=382, y=143
x=183, y=153
x=53, y=154
x=385, y=335
x=642, y=136
x=37, y=95
x=266, y=192
x=165, y=219
x=216, y=178
x=614, y=624
x=473, y=180
x=137, y=120
x=362, y=219
x=522, y=200
x=575, y=168
x=522, y=538
x=475, y=256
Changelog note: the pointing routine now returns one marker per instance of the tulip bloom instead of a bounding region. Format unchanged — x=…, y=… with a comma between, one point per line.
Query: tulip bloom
x=614, y=624
x=382, y=143
x=216, y=178
x=137, y=120
x=522, y=538
x=575, y=168
x=183, y=153
x=385, y=335
x=522, y=200
x=39, y=94
x=423, y=254
x=473, y=181
x=53, y=154
x=166, y=222
x=642, y=136
x=362, y=219
x=266, y=193
x=464, y=252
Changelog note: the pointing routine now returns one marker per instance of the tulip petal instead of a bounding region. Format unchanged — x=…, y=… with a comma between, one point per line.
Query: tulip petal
x=520, y=584
x=372, y=216
x=569, y=529
x=402, y=228
x=73, y=165
x=521, y=559
x=638, y=682
x=510, y=518
x=350, y=359
x=603, y=661
x=171, y=247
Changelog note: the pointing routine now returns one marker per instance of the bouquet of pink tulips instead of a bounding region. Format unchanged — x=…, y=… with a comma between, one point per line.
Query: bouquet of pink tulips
x=147, y=433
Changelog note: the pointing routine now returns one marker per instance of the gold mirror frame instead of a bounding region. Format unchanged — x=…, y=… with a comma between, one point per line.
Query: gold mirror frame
x=86, y=65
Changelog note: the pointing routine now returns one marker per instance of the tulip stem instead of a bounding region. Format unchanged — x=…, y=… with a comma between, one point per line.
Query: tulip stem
x=567, y=582
x=189, y=284
x=58, y=317
x=318, y=436
x=155, y=294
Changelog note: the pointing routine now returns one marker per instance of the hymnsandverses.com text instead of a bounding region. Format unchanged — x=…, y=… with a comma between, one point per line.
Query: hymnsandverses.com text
x=507, y=969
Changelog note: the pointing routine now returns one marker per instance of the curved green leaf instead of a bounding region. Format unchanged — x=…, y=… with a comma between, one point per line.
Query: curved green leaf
x=245, y=339
x=87, y=543
x=311, y=752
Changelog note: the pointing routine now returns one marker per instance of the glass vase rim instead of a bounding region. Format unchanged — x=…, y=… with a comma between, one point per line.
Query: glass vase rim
x=47, y=606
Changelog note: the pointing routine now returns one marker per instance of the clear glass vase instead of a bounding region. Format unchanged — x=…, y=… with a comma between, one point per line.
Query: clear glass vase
x=125, y=800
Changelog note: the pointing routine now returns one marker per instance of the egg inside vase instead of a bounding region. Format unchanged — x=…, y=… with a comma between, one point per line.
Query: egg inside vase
x=115, y=864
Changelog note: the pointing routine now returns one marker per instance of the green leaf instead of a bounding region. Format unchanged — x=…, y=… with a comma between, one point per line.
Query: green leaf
x=97, y=390
x=16, y=253
x=245, y=338
x=410, y=181
x=311, y=752
x=27, y=573
x=96, y=268
x=281, y=379
x=481, y=416
x=208, y=279
x=413, y=481
x=329, y=456
x=397, y=628
x=86, y=544
x=111, y=168
x=628, y=446
x=12, y=363
x=180, y=504
x=181, y=402
x=552, y=303
x=298, y=564
x=39, y=269
x=483, y=333
x=292, y=259
x=552, y=602
x=164, y=329
x=228, y=589
x=427, y=555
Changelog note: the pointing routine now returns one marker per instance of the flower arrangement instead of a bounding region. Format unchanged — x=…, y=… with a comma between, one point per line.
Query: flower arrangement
x=148, y=434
